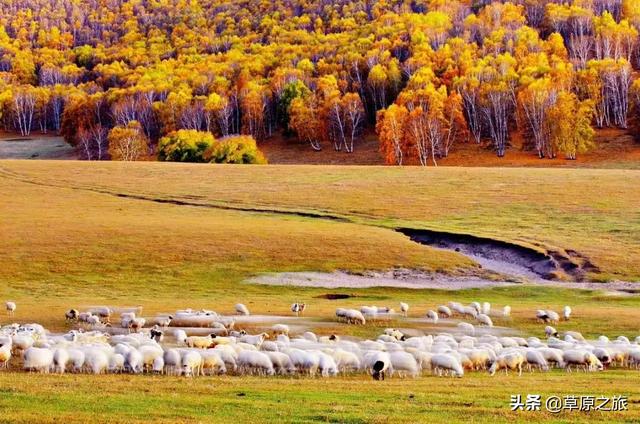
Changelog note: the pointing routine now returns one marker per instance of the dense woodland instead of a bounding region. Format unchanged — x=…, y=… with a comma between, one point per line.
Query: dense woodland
x=181, y=79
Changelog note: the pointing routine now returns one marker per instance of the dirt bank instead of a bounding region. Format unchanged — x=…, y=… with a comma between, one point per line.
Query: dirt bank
x=413, y=279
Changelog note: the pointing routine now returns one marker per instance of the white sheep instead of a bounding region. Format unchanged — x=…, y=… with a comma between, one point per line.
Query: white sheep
x=508, y=361
x=550, y=331
x=433, y=316
x=254, y=340
x=76, y=357
x=255, y=362
x=506, y=311
x=212, y=363
x=308, y=335
x=281, y=363
x=241, y=309
x=447, y=364
x=554, y=356
x=137, y=324
x=172, y=361
x=134, y=362
x=581, y=358
x=280, y=329
x=5, y=355
x=466, y=328
x=96, y=360
x=484, y=319
x=486, y=308
x=191, y=364
x=404, y=363
x=404, y=308
x=38, y=359
x=11, y=308
x=566, y=312
x=116, y=363
x=444, y=310
x=327, y=365
x=535, y=358
x=200, y=342
x=180, y=336
x=346, y=361
x=60, y=360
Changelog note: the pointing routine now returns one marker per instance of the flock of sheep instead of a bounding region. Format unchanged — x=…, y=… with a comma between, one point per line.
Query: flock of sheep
x=202, y=342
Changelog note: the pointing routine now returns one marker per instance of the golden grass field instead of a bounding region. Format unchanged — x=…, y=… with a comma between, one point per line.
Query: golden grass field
x=75, y=234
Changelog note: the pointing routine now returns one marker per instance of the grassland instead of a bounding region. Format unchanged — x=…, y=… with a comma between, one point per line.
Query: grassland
x=592, y=211
x=169, y=236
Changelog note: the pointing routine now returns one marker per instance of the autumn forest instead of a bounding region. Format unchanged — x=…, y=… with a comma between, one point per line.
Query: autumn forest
x=209, y=80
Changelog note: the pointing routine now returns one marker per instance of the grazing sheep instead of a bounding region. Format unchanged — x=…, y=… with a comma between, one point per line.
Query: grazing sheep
x=280, y=329
x=552, y=316
x=126, y=318
x=433, y=316
x=93, y=320
x=60, y=360
x=573, y=335
x=191, y=364
x=200, y=342
x=180, y=336
x=446, y=364
x=404, y=308
x=38, y=359
x=404, y=363
x=326, y=365
x=380, y=364
x=255, y=362
x=242, y=309
x=136, y=324
x=466, y=328
x=550, y=331
x=535, y=358
x=554, y=356
x=134, y=362
x=158, y=365
x=350, y=316
x=96, y=360
x=76, y=357
x=116, y=363
x=149, y=354
x=308, y=335
x=444, y=310
x=5, y=354
x=11, y=308
x=172, y=362
x=566, y=313
x=484, y=319
x=396, y=334
x=508, y=361
x=281, y=363
x=506, y=311
x=298, y=308
x=581, y=359
x=212, y=363
x=486, y=308
x=346, y=361
x=163, y=321
x=254, y=340
x=84, y=316
x=71, y=315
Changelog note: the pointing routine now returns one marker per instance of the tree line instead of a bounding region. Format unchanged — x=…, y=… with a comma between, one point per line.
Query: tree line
x=130, y=79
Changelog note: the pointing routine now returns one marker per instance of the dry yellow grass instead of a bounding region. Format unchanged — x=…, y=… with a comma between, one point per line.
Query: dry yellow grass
x=592, y=211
